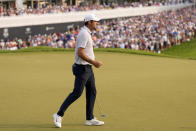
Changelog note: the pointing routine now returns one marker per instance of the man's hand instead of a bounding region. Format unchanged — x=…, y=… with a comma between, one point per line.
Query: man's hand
x=82, y=55
x=97, y=64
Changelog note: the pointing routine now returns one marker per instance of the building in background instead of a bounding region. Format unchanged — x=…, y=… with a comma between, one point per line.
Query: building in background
x=5, y=4
x=41, y=3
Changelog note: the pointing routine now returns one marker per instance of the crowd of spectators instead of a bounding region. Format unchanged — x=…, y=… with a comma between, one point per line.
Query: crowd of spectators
x=51, y=9
x=153, y=33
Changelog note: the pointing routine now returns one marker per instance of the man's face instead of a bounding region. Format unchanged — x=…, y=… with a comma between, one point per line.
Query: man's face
x=93, y=25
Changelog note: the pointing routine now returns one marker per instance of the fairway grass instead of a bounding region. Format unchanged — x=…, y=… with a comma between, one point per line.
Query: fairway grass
x=136, y=92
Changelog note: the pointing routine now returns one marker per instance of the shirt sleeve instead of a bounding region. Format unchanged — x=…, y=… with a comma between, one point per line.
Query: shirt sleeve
x=82, y=40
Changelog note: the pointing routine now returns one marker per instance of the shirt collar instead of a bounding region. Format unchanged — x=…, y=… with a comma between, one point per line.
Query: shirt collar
x=86, y=28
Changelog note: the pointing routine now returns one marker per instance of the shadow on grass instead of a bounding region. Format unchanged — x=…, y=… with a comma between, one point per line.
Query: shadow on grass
x=188, y=128
x=36, y=125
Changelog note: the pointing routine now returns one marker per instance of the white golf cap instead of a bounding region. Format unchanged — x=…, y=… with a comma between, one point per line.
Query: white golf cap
x=91, y=17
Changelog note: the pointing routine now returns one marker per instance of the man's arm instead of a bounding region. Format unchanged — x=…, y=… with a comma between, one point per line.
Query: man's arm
x=82, y=55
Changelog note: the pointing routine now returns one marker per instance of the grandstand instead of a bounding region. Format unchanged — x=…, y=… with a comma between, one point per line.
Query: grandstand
x=31, y=26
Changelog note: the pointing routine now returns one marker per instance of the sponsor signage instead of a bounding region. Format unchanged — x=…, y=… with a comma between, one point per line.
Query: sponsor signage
x=24, y=32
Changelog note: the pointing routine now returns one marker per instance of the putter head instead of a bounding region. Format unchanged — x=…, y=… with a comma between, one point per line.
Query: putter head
x=103, y=115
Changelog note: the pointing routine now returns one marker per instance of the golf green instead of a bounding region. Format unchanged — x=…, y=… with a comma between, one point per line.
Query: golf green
x=137, y=93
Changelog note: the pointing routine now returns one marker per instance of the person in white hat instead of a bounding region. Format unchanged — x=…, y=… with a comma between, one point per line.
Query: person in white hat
x=84, y=76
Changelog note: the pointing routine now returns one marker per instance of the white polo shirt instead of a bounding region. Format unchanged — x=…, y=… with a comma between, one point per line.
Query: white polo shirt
x=84, y=40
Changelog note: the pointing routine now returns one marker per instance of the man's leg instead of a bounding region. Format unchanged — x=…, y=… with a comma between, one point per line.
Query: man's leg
x=77, y=91
x=90, y=97
x=90, y=101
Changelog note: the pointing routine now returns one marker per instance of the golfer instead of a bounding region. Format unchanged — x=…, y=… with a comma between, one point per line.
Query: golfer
x=84, y=76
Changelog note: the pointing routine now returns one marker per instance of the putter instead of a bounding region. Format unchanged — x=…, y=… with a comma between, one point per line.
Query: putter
x=100, y=111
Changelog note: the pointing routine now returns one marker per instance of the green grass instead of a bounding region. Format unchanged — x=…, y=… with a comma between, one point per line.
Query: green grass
x=136, y=92
x=185, y=51
x=38, y=49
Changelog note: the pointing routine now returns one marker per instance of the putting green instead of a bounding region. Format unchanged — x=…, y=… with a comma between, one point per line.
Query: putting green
x=137, y=93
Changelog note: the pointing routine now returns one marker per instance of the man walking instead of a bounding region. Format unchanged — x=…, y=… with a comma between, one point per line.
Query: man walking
x=84, y=76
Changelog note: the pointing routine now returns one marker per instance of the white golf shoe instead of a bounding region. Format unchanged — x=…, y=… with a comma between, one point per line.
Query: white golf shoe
x=94, y=122
x=57, y=120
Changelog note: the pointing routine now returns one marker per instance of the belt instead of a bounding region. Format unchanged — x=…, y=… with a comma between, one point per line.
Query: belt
x=83, y=65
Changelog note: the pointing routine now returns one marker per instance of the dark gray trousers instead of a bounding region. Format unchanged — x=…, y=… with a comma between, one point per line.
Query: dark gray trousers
x=84, y=76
